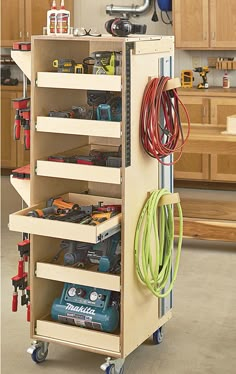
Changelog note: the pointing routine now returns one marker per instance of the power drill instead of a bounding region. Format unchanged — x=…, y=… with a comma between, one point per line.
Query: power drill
x=107, y=62
x=203, y=71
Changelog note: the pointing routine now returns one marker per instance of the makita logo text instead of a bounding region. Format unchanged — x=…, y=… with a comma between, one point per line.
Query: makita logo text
x=80, y=309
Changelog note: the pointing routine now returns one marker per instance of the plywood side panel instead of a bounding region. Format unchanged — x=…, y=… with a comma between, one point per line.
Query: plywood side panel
x=140, y=307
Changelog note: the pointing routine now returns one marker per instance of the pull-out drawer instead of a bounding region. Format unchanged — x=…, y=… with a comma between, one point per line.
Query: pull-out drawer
x=89, y=340
x=20, y=222
x=79, y=81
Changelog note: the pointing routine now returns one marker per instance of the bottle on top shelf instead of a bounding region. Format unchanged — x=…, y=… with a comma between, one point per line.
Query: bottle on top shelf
x=63, y=20
x=51, y=19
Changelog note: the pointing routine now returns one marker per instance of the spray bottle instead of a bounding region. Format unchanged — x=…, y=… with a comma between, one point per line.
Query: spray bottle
x=63, y=20
x=51, y=19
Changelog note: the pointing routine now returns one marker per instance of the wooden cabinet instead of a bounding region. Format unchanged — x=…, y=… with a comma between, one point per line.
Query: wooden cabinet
x=209, y=108
x=204, y=24
x=198, y=108
x=221, y=108
x=22, y=18
x=191, y=24
x=223, y=168
x=12, y=152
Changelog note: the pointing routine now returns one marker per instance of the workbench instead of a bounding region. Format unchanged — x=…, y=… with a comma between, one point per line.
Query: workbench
x=209, y=218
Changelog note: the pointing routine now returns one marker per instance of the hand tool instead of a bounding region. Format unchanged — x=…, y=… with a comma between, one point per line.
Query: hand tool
x=107, y=62
x=104, y=112
x=87, y=307
x=203, y=71
x=21, y=46
x=25, y=114
x=61, y=113
x=22, y=173
x=20, y=281
x=19, y=104
x=67, y=65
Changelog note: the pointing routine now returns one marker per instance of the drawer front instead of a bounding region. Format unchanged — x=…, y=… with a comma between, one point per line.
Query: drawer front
x=20, y=222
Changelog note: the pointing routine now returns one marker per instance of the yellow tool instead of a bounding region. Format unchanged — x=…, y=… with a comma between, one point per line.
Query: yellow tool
x=187, y=78
x=203, y=71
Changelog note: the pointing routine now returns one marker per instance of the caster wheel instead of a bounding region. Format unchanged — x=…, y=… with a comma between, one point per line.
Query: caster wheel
x=39, y=355
x=111, y=370
x=158, y=336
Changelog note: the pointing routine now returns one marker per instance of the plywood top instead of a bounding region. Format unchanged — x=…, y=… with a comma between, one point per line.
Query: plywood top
x=209, y=92
x=104, y=37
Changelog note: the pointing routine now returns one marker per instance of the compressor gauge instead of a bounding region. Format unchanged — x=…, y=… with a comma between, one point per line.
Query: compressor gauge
x=93, y=296
x=72, y=291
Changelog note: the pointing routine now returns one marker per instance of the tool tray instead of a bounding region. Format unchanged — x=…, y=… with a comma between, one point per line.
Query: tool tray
x=20, y=222
x=91, y=173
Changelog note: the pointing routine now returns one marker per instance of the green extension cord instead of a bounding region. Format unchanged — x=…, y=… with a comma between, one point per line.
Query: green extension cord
x=154, y=270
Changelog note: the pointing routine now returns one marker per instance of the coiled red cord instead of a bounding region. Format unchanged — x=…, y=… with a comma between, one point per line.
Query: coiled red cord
x=162, y=138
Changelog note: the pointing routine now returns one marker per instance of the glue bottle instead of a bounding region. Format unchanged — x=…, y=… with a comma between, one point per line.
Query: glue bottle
x=226, y=81
x=51, y=19
x=63, y=20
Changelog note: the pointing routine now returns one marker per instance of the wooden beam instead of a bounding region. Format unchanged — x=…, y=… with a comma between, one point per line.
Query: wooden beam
x=208, y=229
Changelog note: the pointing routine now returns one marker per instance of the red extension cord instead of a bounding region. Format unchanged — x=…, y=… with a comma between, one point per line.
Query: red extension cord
x=161, y=141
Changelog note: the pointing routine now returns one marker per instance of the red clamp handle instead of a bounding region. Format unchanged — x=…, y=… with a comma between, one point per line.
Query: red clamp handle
x=17, y=125
x=27, y=139
x=28, y=313
x=14, y=301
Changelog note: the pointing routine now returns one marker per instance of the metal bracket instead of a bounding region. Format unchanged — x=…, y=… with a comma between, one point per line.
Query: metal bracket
x=106, y=234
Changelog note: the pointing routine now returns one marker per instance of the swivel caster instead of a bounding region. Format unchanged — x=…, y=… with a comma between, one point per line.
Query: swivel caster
x=38, y=351
x=158, y=336
x=115, y=366
x=111, y=370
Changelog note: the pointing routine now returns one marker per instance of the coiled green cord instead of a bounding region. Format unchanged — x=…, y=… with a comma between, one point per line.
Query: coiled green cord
x=154, y=269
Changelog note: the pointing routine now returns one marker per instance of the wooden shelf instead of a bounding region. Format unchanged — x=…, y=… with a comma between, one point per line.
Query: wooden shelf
x=80, y=276
x=72, y=126
x=22, y=186
x=20, y=222
x=23, y=60
x=79, y=81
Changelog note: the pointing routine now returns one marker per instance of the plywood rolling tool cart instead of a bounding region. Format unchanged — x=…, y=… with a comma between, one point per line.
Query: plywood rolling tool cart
x=97, y=197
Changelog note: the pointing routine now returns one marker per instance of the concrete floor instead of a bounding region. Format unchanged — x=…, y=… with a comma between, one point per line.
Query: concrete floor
x=200, y=338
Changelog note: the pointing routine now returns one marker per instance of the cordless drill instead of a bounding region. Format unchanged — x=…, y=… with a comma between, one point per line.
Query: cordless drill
x=203, y=71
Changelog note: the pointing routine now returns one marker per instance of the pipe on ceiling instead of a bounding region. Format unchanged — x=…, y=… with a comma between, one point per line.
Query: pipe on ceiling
x=133, y=10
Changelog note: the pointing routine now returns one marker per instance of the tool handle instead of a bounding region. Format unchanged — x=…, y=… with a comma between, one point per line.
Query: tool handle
x=14, y=301
x=27, y=139
x=20, y=268
x=28, y=313
x=17, y=124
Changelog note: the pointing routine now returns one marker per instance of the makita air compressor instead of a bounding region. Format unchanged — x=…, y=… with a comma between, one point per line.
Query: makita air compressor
x=89, y=307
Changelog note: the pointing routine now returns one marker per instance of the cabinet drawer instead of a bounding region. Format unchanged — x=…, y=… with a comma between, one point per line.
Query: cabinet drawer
x=79, y=81
x=90, y=173
x=78, y=276
x=74, y=231
x=83, y=338
x=106, y=129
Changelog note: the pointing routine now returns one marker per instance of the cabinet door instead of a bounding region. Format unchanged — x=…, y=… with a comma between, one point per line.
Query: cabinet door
x=192, y=166
x=222, y=24
x=191, y=26
x=8, y=144
x=36, y=15
x=223, y=168
x=12, y=22
x=221, y=108
x=197, y=107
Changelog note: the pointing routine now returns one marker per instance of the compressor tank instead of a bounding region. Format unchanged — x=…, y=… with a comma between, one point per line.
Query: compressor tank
x=86, y=307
